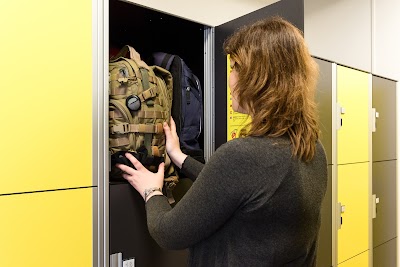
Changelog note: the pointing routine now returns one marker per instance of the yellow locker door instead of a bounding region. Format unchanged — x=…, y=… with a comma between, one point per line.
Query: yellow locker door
x=358, y=261
x=47, y=229
x=353, y=97
x=353, y=192
x=46, y=95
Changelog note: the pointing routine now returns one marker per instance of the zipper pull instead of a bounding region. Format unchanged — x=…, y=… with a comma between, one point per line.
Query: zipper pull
x=187, y=95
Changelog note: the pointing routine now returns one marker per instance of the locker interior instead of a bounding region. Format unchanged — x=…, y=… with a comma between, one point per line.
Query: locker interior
x=148, y=31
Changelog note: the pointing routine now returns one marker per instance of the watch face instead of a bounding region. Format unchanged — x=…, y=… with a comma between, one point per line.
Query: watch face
x=133, y=103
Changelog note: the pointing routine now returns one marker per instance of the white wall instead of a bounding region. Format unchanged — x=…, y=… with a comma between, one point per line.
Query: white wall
x=386, y=38
x=363, y=34
x=340, y=31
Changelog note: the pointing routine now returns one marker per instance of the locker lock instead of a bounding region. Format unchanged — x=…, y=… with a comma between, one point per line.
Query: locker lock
x=342, y=110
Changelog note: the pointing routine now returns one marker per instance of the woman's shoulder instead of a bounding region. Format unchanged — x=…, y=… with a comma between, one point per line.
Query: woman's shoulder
x=258, y=146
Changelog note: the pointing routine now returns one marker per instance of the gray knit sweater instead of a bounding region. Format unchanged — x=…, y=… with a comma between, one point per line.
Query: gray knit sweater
x=251, y=205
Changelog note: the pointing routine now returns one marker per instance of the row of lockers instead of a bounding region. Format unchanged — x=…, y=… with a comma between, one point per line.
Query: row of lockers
x=358, y=123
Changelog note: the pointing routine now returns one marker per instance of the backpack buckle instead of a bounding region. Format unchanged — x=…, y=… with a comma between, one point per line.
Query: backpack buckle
x=121, y=128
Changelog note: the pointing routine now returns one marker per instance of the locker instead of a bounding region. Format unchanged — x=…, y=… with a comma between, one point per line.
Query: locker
x=324, y=253
x=44, y=229
x=144, y=29
x=353, y=97
x=384, y=189
x=361, y=260
x=385, y=254
x=384, y=128
x=149, y=31
x=384, y=184
x=353, y=198
x=46, y=100
x=326, y=101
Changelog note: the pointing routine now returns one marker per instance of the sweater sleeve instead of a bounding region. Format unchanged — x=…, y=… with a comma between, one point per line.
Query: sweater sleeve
x=220, y=189
x=191, y=168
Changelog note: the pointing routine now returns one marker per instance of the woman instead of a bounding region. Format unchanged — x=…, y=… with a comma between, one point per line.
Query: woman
x=257, y=200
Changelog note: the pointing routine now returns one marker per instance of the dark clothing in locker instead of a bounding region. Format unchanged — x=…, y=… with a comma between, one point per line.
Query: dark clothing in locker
x=252, y=204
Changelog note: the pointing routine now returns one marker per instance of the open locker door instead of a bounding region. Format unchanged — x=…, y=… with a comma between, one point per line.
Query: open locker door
x=291, y=10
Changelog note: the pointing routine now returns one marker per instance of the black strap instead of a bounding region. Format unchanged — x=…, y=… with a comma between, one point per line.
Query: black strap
x=167, y=61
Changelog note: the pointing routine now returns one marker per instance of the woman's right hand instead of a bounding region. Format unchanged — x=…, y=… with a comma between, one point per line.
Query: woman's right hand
x=172, y=144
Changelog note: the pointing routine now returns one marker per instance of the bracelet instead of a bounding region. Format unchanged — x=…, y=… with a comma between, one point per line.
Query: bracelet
x=148, y=191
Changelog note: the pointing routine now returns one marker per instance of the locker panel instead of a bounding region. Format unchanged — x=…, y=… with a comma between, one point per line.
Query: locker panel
x=384, y=187
x=353, y=194
x=52, y=228
x=361, y=260
x=324, y=102
x=46, y=96
x=385, y=254
x=129, y=234
x=384, y=101
x=324, y=253
x=353, y=98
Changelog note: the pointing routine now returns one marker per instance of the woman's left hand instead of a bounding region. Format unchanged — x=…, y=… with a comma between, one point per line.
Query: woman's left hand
x=141, y=178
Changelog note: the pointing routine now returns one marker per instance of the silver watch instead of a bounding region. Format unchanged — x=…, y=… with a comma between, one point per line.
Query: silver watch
x=148, y=191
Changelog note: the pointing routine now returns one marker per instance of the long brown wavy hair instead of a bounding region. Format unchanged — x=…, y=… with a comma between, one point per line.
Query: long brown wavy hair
x=276, y=82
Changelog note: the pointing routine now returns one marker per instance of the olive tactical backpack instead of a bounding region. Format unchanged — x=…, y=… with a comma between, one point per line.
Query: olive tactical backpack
x=140, y=101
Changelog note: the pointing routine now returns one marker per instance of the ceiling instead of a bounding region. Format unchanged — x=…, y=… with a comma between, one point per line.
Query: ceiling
x=207, y=12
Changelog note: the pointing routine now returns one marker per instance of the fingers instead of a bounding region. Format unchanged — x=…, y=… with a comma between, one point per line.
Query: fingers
x=161, y=168
x=173, y=125
x=125, y=168
x=167, y=130
x=135, y=162
x=170, y=130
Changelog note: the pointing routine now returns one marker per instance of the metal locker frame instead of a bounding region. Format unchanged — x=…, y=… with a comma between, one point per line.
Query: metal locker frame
x=100, y=132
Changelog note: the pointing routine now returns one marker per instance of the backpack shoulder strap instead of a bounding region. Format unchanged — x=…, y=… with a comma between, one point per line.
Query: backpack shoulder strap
x=163, y=60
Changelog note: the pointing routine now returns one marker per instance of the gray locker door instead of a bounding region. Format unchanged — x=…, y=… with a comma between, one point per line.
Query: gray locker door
x=385, y=254
x=384, y=171
x=324, y=102
x=292, y=10
x=324, y=253
x=384, y=187
x=384, y=101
